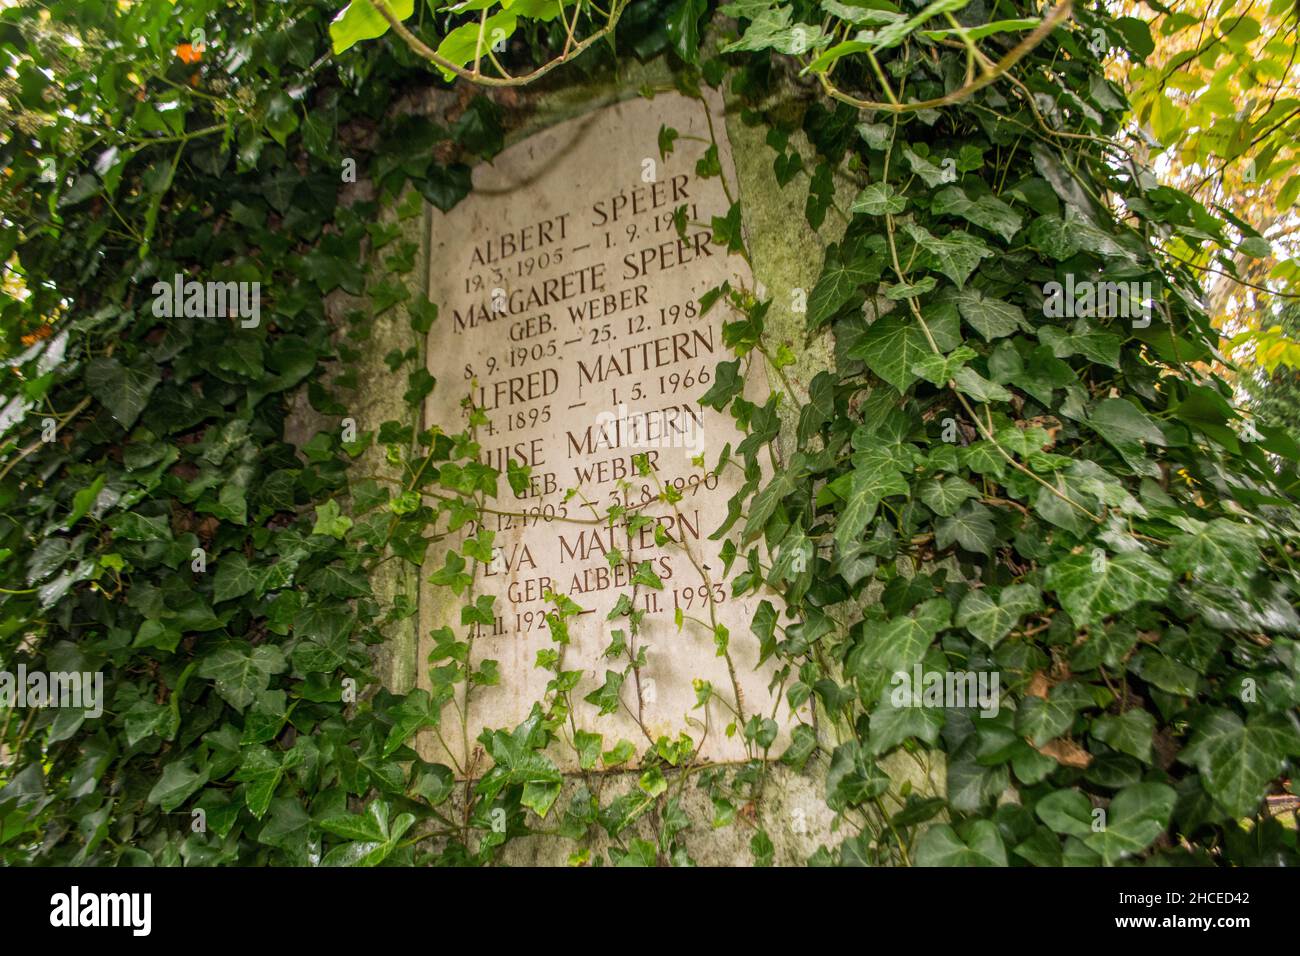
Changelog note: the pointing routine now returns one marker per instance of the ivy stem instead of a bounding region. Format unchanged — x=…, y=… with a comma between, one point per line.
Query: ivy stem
x=423, y=50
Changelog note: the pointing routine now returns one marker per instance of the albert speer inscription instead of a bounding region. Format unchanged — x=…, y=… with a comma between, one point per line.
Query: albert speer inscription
x=569, y=314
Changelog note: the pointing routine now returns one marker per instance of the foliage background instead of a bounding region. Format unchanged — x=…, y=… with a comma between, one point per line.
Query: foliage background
x=1101, y=535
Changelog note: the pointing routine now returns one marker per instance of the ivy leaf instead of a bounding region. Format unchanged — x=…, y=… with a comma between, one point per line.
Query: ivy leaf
x=452, y=574
x=1051, y=235
x=870, y=483
x=234, y=577
x=667, y=140
x=978, y=387
x=359, y=20
x=330, y=522
x=133, y=526
x=820, y=408
x=803, y=743
x=1131, y=732
x=727, y=384
x=682, y=24
x=123, y=390
x=1161, y=671
x=990, y=620
x=423, y=314
x=891, y=347
x=765, y=503
x=944, y=496
x=1136, y=816
x=988, y=211
x=991, y=318
x=891, y=725
x=369, y=853
x=1093, y=343
x=445, y=185
x=1093, y=589
x=1126, y=427
x=847, y=268
x=897, y=644
x=971, y=786
x=1239, y=760
x=177, y=783
x=478, y=130
x=369, y=826
x=930, y=174
x=154, y=633
x=1042, y=719
x=261, y=772
x=976, y=843
x=646, y=577
x=241, y=673
x=877, y=199
x=518, y=763
x=288, y=828
x=606, y=697
x=956, y=255
x=588, y=745
x=471, y=41
x=1210, y=548
x=83, y=500
x=1066, y=811
x=416, y=711
x=911, y=290
x=939, y=369
x=971, y=527
x=853, y=777
x=336, y=581
x=771, y=29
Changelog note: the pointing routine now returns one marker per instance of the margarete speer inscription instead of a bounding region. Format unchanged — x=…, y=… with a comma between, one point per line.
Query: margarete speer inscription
x=569, y=315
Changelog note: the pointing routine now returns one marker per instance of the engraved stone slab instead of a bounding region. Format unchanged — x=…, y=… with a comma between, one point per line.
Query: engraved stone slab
x=569, y=315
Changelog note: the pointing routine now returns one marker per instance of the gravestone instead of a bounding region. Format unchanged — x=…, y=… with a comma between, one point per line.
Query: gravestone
x=569, y=315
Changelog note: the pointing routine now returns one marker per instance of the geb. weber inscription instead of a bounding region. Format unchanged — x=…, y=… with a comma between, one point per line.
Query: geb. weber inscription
x=571, y=338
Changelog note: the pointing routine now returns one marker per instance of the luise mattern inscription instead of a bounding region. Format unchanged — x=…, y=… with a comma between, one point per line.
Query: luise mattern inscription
x=569, y=315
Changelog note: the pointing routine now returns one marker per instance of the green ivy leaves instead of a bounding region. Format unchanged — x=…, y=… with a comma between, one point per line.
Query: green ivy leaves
x=1239, y=758
x=846, y=269
x=372, y=836
x=892, y=347
x=1208, y=549
x=976, y=843
x=932, y=544
x=990, y=618
x=517, y=760
x=241, y=673
x=1092, y=586
x=359, y=20
x=897, y=644
x=1136, y=816
x=1132, y=821
x=123, y=389
x=956, y=254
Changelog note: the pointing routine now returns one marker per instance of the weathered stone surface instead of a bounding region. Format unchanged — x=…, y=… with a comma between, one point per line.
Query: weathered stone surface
x=569, y=315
